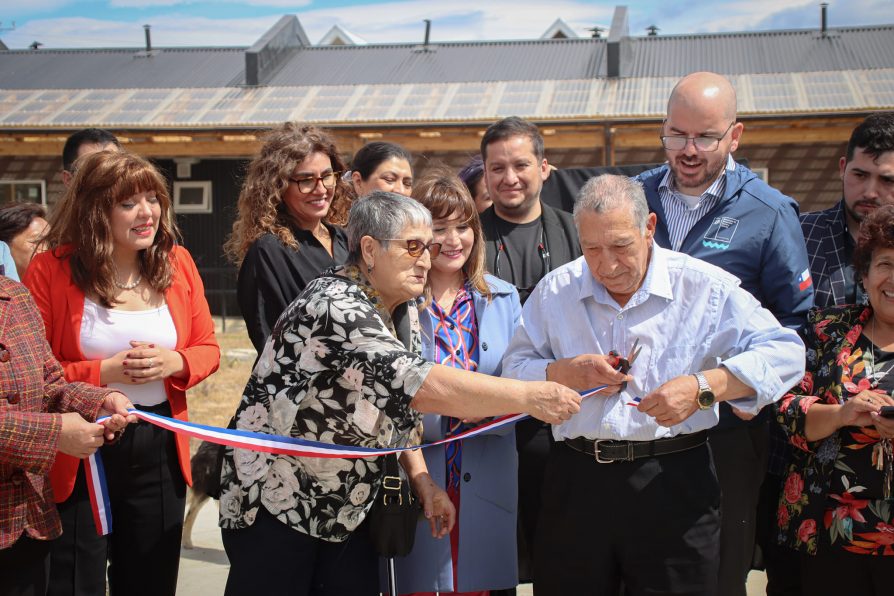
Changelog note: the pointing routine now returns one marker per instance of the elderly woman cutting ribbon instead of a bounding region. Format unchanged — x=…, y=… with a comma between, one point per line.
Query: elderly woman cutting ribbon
x=334, y=371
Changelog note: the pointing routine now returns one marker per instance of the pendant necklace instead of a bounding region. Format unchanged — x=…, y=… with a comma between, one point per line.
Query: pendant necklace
x=882, y=453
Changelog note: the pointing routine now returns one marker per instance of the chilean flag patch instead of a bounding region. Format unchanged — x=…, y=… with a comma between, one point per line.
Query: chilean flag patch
x=804, y=280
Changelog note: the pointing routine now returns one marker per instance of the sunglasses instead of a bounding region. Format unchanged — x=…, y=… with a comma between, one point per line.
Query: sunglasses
x=417, y=247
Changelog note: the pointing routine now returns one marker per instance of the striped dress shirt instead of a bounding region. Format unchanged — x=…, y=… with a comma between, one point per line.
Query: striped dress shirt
x=679, y=216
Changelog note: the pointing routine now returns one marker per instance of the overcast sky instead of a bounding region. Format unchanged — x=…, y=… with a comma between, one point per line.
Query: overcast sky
x=119, y=23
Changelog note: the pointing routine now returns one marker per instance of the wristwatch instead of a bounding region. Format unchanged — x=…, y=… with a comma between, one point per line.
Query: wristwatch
x=705, y=396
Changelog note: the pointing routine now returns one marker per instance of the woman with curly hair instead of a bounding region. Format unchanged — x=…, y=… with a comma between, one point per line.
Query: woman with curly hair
x=283, y=236
x=837, y=504
x=124, y=307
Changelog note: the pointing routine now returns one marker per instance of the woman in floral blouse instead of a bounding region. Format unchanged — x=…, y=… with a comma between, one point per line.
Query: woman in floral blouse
x=334, y=371
x=836, y=506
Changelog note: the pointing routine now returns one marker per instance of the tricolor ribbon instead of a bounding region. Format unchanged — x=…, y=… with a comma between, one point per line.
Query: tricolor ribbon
x=255, y=441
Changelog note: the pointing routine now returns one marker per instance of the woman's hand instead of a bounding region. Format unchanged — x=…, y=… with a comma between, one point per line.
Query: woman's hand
x=856, y=410
x=116, y=405
x=436, y=505
x=147, y=362
x=884, y=426
x=551, y=402
x=78, y=437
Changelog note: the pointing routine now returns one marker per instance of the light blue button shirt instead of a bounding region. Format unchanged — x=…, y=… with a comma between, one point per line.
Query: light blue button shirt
x=688, y=315
x=8, y=264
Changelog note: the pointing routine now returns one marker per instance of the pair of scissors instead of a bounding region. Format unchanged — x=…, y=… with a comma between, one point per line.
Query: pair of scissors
x=623, y=364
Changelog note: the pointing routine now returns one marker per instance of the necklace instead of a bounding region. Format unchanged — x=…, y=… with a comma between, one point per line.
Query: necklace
x=129, y=286
x=882, y=453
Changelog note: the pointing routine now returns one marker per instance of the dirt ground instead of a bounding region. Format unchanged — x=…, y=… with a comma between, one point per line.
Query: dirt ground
x=214, y=400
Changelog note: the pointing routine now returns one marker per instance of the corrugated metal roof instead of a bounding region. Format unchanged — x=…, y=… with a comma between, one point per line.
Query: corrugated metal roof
x=121, y=68
x=774, y=72
x=444, y=63
x=410, y=103
x=762, y=52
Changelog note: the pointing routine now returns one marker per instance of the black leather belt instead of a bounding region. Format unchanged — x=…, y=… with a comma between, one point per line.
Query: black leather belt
x=609, y=452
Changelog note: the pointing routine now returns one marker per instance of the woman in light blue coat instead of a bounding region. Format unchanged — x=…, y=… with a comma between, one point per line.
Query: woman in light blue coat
x=467, y=324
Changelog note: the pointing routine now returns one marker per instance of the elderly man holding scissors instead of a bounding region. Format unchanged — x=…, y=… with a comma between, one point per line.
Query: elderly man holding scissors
x=630, y=493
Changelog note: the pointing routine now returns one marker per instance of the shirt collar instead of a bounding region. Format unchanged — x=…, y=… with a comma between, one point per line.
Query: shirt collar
x=656, y=283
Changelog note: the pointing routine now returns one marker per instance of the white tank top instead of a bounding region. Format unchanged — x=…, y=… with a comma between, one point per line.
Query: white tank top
x=106, y=331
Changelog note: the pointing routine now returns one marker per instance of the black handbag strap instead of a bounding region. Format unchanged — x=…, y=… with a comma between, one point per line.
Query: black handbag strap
x=393, y=490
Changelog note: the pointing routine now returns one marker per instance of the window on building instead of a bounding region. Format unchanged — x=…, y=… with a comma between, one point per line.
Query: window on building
x=192, y=197
x=23, y=191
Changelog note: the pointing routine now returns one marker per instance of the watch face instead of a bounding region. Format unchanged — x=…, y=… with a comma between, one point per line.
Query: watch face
x=705, y=399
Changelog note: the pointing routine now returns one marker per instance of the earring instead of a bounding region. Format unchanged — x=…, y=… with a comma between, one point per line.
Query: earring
x=369, y=269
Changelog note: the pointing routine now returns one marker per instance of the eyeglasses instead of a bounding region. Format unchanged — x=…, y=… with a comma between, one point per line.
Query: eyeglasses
x=417, y=247
x=702, y=143
x=307, y=184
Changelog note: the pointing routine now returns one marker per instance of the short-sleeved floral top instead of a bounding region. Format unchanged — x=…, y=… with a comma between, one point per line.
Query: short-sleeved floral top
x=332, y=371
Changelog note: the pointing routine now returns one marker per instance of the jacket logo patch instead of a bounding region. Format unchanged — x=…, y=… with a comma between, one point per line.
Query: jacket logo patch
x=720, y=233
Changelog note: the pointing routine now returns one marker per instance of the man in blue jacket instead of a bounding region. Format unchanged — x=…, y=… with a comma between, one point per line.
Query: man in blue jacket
x=721, y=212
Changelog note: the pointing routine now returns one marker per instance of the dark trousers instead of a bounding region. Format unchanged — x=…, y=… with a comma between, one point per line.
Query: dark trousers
x=24, y=567
x=78, y=557
x=532, y=439
x=148, y=496
x=781, y=563
x=653, y=523
x=838, y=573
x=270, y=558
x=740, y=454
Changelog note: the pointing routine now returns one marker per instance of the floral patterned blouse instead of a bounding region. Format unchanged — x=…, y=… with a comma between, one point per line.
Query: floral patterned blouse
x=832, y=498
x=332, y=371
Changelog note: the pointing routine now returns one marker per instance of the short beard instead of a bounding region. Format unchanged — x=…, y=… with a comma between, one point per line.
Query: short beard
x=708, y=178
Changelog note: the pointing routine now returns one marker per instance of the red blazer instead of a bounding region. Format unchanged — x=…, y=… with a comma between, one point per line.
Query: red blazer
x=61, y=303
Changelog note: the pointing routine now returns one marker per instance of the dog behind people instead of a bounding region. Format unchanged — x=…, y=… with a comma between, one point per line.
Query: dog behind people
x=205, y=466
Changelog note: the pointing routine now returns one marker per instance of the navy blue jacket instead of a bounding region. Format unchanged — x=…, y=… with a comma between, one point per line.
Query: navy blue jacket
x=753, y=233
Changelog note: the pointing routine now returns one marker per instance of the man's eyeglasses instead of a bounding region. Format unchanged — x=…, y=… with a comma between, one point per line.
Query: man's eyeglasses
x=702, y=143
x=307, y=184
x=417, y=247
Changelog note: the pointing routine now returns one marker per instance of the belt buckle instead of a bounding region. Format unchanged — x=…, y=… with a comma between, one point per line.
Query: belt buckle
x=596, y=453
x=599, y=459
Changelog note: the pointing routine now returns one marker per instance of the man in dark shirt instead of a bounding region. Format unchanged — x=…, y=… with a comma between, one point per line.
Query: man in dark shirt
x=525, y=240
x=867, y=177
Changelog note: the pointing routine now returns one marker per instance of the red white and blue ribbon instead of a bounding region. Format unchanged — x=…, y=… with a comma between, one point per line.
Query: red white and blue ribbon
x=256, y=441
x=99, y=494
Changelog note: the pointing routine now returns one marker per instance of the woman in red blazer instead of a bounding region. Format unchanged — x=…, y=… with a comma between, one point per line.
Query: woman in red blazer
x=124, y=307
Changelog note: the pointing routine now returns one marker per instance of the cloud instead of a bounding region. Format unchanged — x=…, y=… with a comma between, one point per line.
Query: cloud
x=287, y=4
x=168, y=31
x=840, y=14
x=401, y=21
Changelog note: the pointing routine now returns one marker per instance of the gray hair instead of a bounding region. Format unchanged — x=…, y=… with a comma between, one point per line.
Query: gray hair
x=609, y=191
x=382, y=215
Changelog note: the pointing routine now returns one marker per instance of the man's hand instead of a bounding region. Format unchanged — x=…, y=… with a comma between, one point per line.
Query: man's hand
x=585, y=372
x=673, y=402
x=78, y=437
x=116, y=406
x=551, y=402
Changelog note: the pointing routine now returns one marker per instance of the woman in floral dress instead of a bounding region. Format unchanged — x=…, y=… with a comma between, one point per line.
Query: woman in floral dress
x=334, y=371
x=836, y=506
